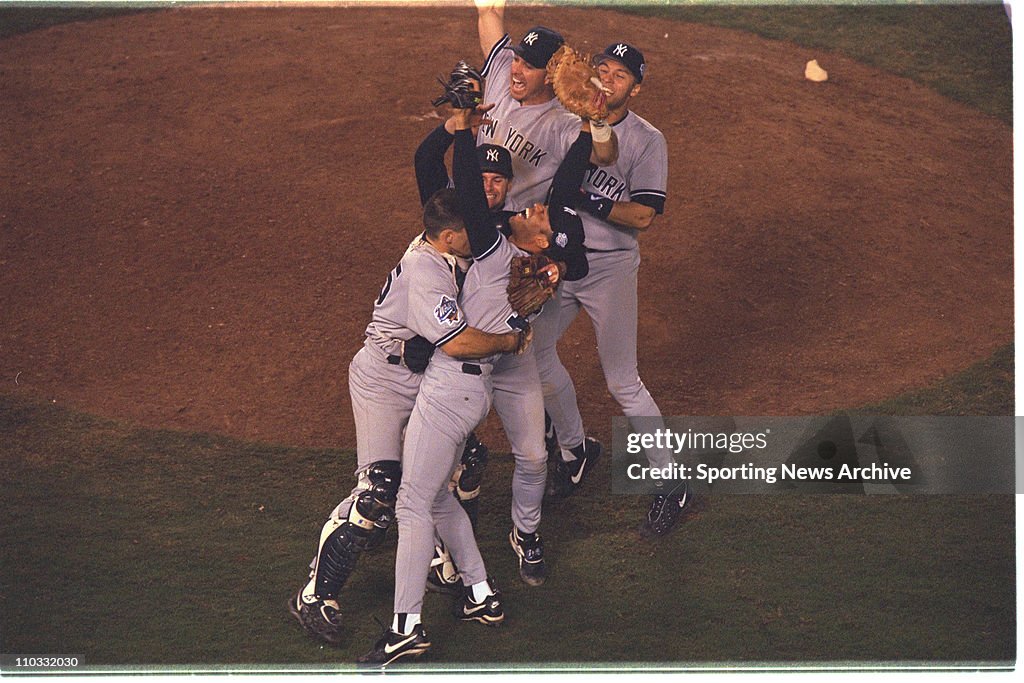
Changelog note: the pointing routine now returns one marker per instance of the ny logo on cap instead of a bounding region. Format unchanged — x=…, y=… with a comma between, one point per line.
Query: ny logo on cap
x=531, y=38
x=561, y=239
x=620, y=50
x=492, y=155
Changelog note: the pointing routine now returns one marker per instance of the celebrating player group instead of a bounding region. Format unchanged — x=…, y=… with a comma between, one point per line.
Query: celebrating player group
x=537, y=218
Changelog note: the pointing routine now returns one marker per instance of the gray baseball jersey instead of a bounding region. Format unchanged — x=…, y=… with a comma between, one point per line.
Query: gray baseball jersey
x=485, y=297
x=639, y=175
x=420, y=297
x=455, y=396
x=537, y=135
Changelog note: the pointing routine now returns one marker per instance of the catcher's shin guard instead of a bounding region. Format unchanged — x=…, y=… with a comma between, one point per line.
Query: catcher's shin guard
x=469, y=476
x=368, y=518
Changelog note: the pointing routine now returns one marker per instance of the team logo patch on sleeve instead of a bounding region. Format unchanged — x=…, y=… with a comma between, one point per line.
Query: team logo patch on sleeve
x=447, y=312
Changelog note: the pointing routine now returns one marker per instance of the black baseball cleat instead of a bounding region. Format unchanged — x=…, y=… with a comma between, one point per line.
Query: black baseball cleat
x=393, y=646
x=567, y=477
x=489, y=612
x=321, y=620
x=531, y=556
x=668, y=508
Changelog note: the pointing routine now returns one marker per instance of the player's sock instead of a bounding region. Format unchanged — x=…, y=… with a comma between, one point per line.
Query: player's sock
x=404, y=623
x=568, y=455
x=481, y=591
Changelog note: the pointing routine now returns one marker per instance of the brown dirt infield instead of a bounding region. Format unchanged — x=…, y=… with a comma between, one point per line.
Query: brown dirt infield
x=199, y=205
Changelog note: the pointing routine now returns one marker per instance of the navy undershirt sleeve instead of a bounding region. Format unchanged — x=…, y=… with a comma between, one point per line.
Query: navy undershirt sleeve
x=483, y=234
x=431, y=174
x=565, y=187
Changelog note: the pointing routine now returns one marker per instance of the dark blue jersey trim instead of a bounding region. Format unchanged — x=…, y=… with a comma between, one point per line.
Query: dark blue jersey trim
x=451, y=335
x=652, y=198
x=498, y=46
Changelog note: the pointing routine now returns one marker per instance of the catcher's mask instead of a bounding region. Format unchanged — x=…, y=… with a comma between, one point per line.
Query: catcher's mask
x=538, y=45
x=628, y=56
x=566, y=242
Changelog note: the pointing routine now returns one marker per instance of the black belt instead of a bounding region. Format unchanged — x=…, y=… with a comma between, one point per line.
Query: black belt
x=468, y=368
x=603, y=251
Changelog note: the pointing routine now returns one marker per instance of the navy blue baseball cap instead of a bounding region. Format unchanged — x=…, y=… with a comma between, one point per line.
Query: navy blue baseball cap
x=538, y=45
x=628, y=56
x=494, y=159
x=567, y=241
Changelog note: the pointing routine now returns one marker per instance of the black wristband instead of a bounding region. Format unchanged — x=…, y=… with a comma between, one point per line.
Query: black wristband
x=597, y=205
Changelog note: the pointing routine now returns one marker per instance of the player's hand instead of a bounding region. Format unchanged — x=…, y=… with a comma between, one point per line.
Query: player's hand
x=463, y=119
x=554, y=273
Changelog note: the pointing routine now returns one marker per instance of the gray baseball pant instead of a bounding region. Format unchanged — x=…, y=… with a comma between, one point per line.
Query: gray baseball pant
x=449, y=406
x=609, y=296
x=519, y=402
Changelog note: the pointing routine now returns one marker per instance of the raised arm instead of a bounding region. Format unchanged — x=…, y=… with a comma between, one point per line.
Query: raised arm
x=606, y=143
x=490, y=23
x=565, y=186
x=469, y=186
x=431, y=174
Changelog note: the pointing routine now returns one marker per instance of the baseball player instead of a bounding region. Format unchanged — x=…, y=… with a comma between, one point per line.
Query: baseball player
x=530, y=122
x=454, y=397
x=526, y=118
x=432, y=175
x=514, y=380
x=418, y=298
x=618, y=203
x=497, y=176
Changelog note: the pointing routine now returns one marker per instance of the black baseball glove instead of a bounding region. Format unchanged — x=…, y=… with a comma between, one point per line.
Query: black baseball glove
x=462, y=89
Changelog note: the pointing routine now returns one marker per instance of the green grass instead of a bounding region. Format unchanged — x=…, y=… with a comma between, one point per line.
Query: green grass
x=963, y=51
x=985, y=388
x=20, y=17
x=135, y=547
